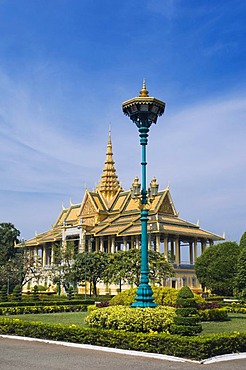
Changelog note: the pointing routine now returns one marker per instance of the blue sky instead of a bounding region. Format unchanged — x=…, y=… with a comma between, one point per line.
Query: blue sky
x=66, y=66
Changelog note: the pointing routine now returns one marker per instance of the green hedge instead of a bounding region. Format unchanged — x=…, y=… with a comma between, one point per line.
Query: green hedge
x=213, y=314
x=142, y=320
x=196, y=348
x=236, y=309
x=46, y=303
x=41, y=309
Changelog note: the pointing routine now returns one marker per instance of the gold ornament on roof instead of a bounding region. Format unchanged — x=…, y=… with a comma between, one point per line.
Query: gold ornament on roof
x=109, y=184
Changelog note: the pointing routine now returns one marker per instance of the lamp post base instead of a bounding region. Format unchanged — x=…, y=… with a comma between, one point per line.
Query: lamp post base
x=144, y=296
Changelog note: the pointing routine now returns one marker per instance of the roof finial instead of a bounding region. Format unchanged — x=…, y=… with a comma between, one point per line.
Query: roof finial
x=143, y=93
x=109, y=184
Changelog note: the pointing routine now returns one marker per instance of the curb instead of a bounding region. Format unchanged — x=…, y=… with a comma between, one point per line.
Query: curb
x=229, y=357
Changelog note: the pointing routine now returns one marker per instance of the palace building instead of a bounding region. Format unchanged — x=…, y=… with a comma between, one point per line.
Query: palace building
x=108, y=219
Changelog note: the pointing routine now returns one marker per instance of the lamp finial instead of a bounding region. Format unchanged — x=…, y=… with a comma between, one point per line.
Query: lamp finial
x=144, y=92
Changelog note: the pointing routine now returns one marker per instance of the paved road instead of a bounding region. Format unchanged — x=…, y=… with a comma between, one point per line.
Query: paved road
x=31, y=355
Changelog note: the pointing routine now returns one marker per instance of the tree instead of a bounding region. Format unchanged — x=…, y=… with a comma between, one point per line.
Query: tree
x=217, y=266
x=242, y=242
x=62, y=272
x=8, y=236
x=240, y=278
x=125, y=267
x=159, y=268
x=91, y=267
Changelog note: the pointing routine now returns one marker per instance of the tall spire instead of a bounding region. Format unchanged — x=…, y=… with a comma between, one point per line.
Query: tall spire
x=109, y=184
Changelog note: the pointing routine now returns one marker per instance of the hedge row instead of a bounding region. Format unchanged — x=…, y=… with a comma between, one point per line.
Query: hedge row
x=196, y=348
x=47, y=303
x=41, y=309
x=235, y=309
x=214, y=314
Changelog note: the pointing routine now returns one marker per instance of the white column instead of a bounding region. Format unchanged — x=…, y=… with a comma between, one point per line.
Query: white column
x=101, y=244
x=96, y=244
x=83, y=241
x=158, y=243
x=113, y=244
x=204, y=245
x=124, y=243
x=137, y=242
x=166, y=247
x=149, y=241
x=195, y=250
x=52, y=254
x=177, y=251
x=172, y=250
x=44, y=255
x=191, y=253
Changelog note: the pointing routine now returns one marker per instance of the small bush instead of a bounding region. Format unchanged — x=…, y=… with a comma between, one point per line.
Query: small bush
x=142, y=320
x=3, y=294
x=186, y=321
x=17, y=294
x=215, y=314
x=35, y=295
x=91, y=307
x=125, y=298
x=70, y=293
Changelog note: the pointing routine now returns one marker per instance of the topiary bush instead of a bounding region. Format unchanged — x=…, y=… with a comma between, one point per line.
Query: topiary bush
x=143, y=320
x=187, y=320
x=3, y=294
x=17, y=293
x=35, y=295
x=70, y=293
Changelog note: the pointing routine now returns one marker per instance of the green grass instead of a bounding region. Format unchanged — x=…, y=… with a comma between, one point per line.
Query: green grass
x=64, y=318
x=237, y=322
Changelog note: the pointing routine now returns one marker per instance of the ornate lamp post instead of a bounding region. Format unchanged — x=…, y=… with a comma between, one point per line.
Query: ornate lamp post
x=143, y=111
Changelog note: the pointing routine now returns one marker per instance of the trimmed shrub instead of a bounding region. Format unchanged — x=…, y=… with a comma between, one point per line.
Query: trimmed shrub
x=215, y=314
x=17, y=293
x=70, y=293
x=19, y=310
x=187, y=320
x=3, y=294
x=142, y=320
x=35, y=295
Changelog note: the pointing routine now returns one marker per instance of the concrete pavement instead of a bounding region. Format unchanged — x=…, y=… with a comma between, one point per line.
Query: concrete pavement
x=18, y=353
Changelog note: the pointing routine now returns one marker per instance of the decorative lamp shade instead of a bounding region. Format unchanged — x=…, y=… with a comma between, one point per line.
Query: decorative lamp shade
x=143, y=110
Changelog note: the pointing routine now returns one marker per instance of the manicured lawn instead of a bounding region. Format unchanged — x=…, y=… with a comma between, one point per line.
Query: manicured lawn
x=64, y=318
x=237, y=322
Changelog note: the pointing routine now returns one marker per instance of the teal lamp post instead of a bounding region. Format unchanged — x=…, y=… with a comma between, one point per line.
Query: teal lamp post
x=143, y=111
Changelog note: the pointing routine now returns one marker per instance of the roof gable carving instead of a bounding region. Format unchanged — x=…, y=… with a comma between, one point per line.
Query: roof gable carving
x=166, y=205
x=88, y=207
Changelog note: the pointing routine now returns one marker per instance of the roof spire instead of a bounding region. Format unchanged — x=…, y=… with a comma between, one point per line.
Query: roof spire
x=109, y=184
